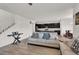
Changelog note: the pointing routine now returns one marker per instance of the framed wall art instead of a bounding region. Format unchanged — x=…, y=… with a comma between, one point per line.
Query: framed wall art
x=77, y=18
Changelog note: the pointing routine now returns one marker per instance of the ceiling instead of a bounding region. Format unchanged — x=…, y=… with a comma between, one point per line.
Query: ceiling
x=39, y=10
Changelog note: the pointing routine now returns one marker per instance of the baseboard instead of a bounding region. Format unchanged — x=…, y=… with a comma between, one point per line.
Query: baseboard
x=43, y=46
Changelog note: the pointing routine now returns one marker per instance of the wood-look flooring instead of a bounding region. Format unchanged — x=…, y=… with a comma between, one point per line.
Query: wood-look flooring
x=24, y=49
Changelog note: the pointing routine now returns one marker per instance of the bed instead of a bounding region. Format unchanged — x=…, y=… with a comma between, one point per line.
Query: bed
x=38, y=38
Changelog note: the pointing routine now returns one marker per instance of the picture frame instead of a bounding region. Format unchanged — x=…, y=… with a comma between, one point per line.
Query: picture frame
x=77, y=18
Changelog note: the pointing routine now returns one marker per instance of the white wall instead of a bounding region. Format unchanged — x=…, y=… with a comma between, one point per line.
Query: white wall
x=48, y=19
x=76, y=27
x=66, y=24
x=24, y=23
x=6, y=19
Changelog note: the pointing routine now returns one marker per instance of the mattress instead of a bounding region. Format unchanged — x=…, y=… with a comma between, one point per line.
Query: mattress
x=44, y=42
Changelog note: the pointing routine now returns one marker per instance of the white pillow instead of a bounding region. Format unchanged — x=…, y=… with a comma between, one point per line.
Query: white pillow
x=53, y=35
x=40, y=35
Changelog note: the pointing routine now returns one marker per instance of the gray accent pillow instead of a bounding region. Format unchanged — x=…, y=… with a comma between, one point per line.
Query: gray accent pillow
x=35, y=35
x=46, y=35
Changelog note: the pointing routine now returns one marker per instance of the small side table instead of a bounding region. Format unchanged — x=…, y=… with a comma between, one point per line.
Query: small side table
x=16, y=36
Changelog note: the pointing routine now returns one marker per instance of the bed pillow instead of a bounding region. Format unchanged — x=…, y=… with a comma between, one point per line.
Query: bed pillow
x=53, y=35
x=40, y=35
x=35, y=35
x=46, y=35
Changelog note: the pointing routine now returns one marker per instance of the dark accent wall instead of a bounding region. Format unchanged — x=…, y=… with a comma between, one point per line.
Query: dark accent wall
x=47, y=25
